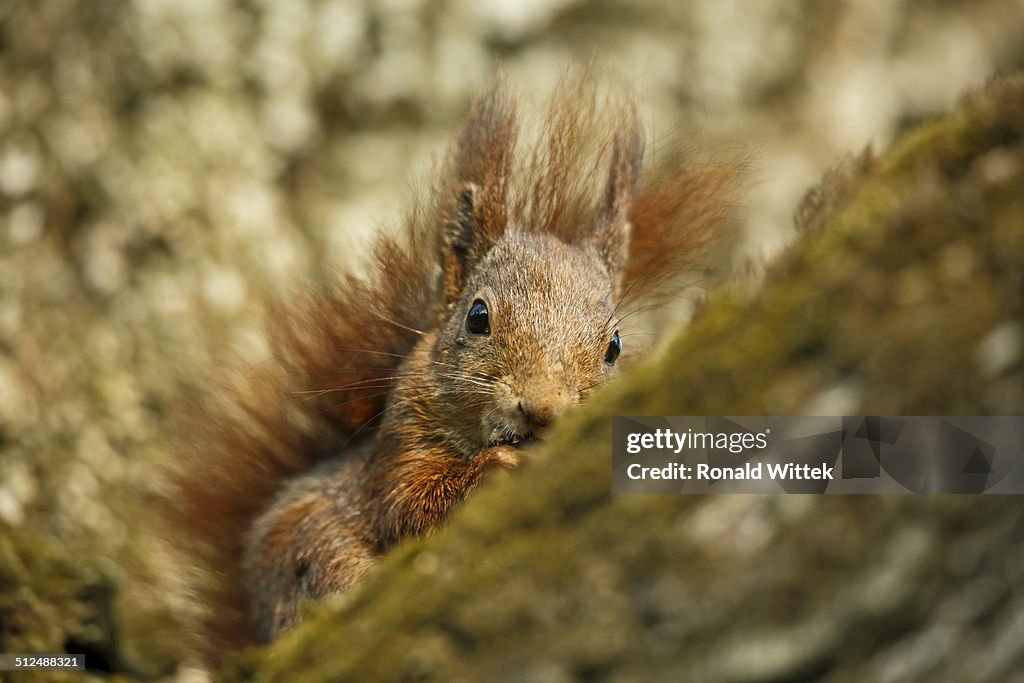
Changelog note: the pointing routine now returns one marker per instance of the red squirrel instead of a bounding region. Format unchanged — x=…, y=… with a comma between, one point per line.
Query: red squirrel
x=496, y=306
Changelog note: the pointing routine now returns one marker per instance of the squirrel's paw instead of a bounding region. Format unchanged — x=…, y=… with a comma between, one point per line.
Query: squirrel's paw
x=508, y=457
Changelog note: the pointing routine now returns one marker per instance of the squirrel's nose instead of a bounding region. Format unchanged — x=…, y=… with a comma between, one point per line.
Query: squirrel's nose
x=538, y=415
x=542, y=411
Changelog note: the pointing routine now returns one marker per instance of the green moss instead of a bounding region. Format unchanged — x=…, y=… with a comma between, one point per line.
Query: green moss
x=54, y=600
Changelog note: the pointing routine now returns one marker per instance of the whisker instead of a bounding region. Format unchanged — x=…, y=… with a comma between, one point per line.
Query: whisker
x=334, y=406
x=398, y=324
x=355, y=349
x=639, y=309
x=401, y=356
x=363, y=383
x=369, y=421
x=482, y=381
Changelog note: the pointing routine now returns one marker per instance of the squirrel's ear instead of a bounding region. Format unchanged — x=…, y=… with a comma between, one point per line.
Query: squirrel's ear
x=482, y=163
x=458, y=241
x=610, y=236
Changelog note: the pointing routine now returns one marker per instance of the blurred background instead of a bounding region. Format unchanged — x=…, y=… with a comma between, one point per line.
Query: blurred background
x=165, y=165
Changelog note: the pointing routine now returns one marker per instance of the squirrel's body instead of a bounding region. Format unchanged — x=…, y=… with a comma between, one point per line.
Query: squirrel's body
x=492, y=314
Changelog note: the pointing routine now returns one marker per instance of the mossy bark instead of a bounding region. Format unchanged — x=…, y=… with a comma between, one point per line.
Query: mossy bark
x=905, y=295
x=55, y=599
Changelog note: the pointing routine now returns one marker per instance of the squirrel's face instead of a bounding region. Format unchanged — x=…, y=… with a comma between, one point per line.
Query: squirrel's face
x=532, y=333
x=530, y=323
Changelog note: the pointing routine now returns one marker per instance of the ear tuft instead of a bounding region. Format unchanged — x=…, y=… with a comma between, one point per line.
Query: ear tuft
x=610, y=236
x=459, y=239
x=476, y=212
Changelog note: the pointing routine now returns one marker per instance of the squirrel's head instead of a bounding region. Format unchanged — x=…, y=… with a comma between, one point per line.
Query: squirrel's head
x=529, y=326
x=533, y=332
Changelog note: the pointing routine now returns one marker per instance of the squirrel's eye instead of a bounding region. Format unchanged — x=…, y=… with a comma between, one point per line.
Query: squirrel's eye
x=477, y=322
x=614, y=349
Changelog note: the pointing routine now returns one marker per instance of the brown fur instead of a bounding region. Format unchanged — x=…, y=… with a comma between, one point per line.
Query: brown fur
x=381, y=369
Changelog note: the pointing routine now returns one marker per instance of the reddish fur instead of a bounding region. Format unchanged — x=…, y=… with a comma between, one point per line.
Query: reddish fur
x=333, y=348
